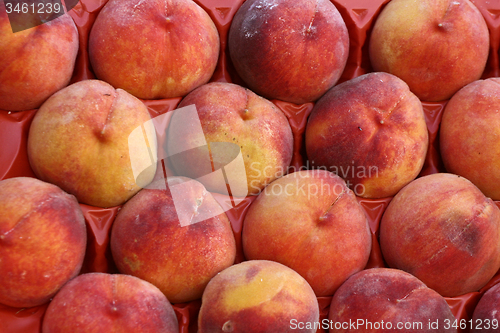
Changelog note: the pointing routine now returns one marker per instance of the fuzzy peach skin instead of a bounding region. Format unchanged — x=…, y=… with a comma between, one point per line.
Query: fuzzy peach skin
x=154, y=49
x=257, y=296
x=469, y=133
x=289, y=50
x=114, y=303
x=436, y=46
x=371, y=131
x=486, y=316
x=387, y=300
x=310, y=221
x=230, y=113
x=443, y=230
x=35, y=63
x=42, y=241
x=79, y=140
x=148, y=240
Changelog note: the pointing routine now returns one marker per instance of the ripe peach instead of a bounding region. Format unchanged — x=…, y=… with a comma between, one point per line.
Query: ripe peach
x=443, y=230
x=469, y=135
x=435, y=46
x=386, y=300
x=174, y=235
x=35, y=63
x=228, y=113
x=371, y=131
x=310, y=221
x=154, y=49
x=293, y=51
x=79, y=140
x=486, y=316
x=42, y=241
x=257, y=296
x=99, y=302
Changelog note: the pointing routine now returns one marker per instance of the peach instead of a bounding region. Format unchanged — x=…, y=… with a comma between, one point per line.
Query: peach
x=293, y=51
x=42, y=241
x=115, y=303
x=371, y=131
x=79, y=140
x=443, y=230
x=174, y=235
x=154, y=49
x=228, y=113
x=36, y=62
x=386, y=300
x=486, y=316
x=257, y=296
x=469, y=135
x=310, y=221
x=435, y=46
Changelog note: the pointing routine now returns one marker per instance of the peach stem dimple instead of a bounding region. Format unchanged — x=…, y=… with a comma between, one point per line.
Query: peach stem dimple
x=387, y=114
x=114, y=309
x=408, y=294
x=110, y=111
x=323, y=217
x=138, y=4
x=228, y=326
x=245, y=114
x=308, y=30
